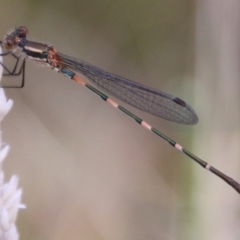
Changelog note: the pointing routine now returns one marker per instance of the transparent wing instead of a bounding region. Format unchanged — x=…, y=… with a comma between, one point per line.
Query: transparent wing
x=137, y=95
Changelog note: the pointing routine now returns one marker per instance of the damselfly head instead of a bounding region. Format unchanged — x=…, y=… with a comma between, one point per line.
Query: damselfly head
x=14, y=38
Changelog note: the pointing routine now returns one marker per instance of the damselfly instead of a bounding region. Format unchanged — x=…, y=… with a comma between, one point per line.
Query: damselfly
x=139, y=96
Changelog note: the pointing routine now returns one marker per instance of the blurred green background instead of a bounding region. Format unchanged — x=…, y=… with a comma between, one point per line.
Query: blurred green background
x=90, y=172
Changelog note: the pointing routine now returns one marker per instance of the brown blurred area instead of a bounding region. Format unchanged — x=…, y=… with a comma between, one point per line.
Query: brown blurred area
x=90, y=172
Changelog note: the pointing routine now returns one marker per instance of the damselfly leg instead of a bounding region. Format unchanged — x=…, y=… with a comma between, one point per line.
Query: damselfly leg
x=18, y=69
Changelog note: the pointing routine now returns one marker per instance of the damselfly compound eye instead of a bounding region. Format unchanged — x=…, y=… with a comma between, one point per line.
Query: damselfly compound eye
x=21, y=32
x=8, y=43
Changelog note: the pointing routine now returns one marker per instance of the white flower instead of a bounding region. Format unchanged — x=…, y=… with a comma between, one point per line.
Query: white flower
x=1, y=69
x=5, y=105
x=10, y=195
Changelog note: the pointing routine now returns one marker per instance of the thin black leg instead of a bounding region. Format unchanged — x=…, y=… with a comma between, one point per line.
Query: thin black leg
x=14, y=73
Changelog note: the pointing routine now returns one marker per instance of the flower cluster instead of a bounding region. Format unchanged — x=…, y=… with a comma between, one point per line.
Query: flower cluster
x=10, y=195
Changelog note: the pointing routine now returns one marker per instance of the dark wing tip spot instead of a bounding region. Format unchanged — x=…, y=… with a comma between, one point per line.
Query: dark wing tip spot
x=180, y=102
